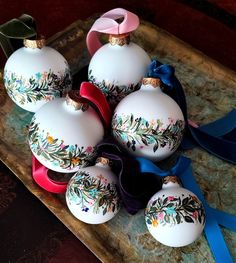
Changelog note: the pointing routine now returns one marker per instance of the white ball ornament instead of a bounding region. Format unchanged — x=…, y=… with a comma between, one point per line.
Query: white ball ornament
x=36, y=74
x=91, y=195
x=175, y=216
x=118, y=67
x=148, y=123
x=63, y=133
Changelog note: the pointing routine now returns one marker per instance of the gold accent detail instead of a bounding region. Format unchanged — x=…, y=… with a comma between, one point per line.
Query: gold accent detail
x=103, y=160
x=172, y=178
x=74, y=99
x=35, y=43
x=151, y=81
x=121, y=40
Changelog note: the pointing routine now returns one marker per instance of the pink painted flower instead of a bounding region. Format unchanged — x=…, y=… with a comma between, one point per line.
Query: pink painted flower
x=195, y=214
x=171, y=198
x=160, y=216
x=101, y=177
x=89, y=149
x=62, y=145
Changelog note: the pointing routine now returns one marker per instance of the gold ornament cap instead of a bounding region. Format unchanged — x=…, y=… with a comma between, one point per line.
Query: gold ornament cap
x=74, y=99
x=35, y=43
x=155, y=82
x=171, y=181
x=103, y=161
x=120, y=40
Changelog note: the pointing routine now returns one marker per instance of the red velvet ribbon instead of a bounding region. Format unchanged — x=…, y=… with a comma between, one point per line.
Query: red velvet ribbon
x=40, y=175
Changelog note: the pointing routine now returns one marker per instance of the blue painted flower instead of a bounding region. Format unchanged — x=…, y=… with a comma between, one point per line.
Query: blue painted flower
x=21, y=88
x=38, y=75
x=71, y=148
x=170, y=211
x=93, y=192
x=85, y=209
x=151, y=140
x=19, y=81
x=124, y=136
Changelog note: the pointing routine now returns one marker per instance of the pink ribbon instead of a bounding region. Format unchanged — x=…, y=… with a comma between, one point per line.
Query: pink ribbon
x=107, y=24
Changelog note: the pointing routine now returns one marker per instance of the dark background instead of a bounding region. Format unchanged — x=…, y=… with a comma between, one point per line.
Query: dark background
x=207, y=25
x=28, y=231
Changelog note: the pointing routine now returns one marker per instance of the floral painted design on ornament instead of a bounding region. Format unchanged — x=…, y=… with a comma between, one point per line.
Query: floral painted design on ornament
x=114, y=93
x=172, y=210
x=40, y=86
x=88, y=191
x=135, y=131
x=55, y=151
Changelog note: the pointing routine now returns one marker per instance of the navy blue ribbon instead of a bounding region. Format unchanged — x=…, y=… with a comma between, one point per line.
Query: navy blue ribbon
x=137, y=184
x=214, y=217
x=218, y=137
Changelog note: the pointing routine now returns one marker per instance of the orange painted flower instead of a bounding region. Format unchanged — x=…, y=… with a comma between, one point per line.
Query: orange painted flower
x=195, y=198
x=154, y=222
x=100, y=177
x=50, y=139
x=75, y=160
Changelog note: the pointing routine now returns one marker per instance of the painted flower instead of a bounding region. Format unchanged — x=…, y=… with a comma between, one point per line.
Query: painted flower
x=38, y=75
x=48, y=98
x=50, y=139
x=45, y=74
x=194, y=198
x=21, y=88
x=89, y=149
x=85, y=209
x=62, y=146
x=94, y=192
x=71, y=148
x=160, y=216
x=171, y=198
x=154, y=223
x=170, y=211
x=101, y=177
x=152, y=122
x=75, y=160
x=195, y=214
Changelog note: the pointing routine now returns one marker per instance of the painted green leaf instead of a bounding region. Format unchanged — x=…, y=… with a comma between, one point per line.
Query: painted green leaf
x=167, y=218
x=189, y=208
x=178, y=219
x=188, y=219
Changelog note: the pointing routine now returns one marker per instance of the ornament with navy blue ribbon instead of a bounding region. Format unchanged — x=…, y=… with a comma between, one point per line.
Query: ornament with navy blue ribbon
x=139, y=179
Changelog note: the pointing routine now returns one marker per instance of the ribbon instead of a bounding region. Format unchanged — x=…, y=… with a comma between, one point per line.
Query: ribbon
x=14, y=30
x=218, y=137
x=107, y=24
x=94, y=95
x=163, y=72
x=214, y=217
x=40, y=175
x=135, y=171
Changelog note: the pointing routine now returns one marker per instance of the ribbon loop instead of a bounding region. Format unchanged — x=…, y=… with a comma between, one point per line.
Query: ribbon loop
x=218, y=137
x=163, y=72
x=14, y=30
x=107, y=24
